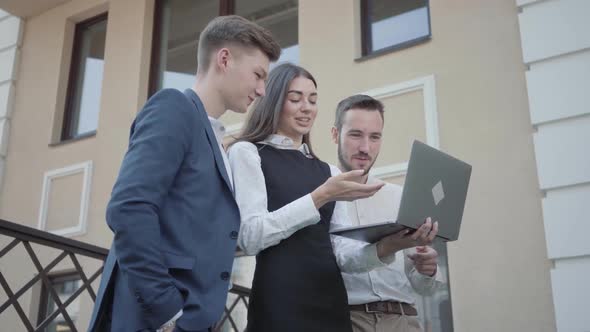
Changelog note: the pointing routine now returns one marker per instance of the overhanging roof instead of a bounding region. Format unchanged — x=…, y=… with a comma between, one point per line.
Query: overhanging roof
x=28, y=8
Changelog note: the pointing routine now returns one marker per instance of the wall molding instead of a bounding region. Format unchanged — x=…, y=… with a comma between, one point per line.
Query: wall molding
x=86, y=169
x=527, y=3
x=389, y=171
x=10, y=55
x=427, y=85
x=553, y=45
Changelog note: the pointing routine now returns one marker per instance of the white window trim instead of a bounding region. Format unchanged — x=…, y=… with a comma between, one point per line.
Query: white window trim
x=426, y=84
x=86, y=169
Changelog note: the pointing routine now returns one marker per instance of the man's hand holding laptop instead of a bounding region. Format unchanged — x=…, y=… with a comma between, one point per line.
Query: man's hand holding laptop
x=405, y=239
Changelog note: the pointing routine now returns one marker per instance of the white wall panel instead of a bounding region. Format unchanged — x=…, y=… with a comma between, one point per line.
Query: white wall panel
x=526, y=2
x=559, y=88
x=6, y=99
x=7, y=64
x=4, y=132
x=552, y=28
x=566, y=214
x=571, y=291
x=562, y=151
x=556, y=43
x=9, y=32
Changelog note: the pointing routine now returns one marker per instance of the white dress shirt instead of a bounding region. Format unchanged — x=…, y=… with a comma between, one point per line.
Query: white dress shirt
x=261, y=229
x=398, y=281
x=219, y=130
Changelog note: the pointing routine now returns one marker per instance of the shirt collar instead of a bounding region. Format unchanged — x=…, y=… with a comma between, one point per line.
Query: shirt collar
x=218, y=128
x=283, y=142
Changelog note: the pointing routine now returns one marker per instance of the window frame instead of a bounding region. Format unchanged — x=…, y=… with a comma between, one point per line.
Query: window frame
x=58, y=277
x=70, y=112
x=226, y=7
x=367, y=33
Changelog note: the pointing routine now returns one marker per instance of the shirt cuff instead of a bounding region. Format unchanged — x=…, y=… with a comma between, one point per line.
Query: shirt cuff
x=173, y=319
x=306, y=207
x=438, y=276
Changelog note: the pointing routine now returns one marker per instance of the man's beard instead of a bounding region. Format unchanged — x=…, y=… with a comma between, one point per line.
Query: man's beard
x=347, y=167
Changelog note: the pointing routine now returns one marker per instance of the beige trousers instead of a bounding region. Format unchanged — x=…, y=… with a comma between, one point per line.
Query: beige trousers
x=380, y=322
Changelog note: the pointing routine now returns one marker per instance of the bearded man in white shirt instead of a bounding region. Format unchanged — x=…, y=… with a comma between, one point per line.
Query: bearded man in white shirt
x=382, y=299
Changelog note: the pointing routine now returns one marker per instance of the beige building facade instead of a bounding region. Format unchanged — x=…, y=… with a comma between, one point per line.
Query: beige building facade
x=463, y=87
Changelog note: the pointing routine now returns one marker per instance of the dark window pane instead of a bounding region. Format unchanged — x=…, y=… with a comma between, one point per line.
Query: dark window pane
x=83, y=102
x=180, y=23
x=393, y=23
x=278, y=16
x=64, y=286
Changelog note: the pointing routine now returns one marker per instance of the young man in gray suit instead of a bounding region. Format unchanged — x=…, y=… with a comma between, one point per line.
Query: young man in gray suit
x=172, y=209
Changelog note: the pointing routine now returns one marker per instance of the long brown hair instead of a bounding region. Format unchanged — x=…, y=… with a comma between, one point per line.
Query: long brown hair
x=263, y=120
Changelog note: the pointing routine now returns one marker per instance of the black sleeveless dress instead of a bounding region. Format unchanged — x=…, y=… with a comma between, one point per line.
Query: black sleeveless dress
x=297, y=284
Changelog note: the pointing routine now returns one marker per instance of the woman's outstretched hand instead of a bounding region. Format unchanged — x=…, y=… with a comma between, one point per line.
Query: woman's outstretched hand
x=344, y=187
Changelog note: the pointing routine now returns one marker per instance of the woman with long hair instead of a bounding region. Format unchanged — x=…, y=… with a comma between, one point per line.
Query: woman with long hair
x=288, y=198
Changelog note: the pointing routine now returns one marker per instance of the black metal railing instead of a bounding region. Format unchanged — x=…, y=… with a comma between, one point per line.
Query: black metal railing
x=69, y=248
x=242, y=297
x=25, y=236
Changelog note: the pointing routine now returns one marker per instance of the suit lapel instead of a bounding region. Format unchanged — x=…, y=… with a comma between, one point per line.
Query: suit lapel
x=190, y=94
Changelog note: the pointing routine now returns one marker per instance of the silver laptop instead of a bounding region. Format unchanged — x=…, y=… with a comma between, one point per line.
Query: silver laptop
x=435, y=186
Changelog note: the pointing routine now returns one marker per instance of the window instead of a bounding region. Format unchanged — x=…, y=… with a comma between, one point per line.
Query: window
x=177, y=26
x=64, y=285
x=178, y=23
x=280, y=17
x=393, y=24
x=84, y=85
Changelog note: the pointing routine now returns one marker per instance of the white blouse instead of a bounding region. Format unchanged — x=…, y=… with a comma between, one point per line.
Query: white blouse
x=261, y=229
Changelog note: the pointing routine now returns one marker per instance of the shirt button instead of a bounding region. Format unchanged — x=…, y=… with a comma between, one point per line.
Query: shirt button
x=224, y=276
x=233, y=235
